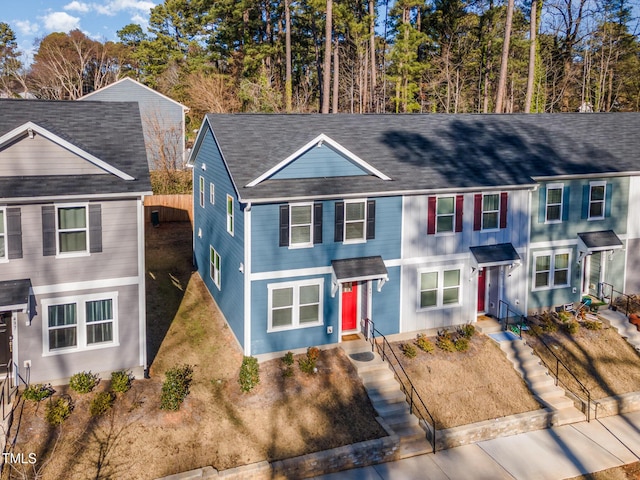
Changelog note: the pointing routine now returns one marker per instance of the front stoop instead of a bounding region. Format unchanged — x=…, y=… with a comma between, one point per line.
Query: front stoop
x=387, y=398
x=540, y=382
x=621, y=323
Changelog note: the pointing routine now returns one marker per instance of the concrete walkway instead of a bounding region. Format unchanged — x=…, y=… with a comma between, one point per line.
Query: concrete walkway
x=551, y=454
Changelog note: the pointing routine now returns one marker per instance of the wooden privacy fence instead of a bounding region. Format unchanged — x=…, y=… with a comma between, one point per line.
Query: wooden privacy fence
x=170, y=208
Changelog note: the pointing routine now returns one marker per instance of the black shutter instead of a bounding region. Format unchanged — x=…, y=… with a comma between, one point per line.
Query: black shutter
x=339, y=223
x=14, y=233
x=284, y=225
x=371, y=219
x=317, y=223
x=48, y=230
x=95, y=228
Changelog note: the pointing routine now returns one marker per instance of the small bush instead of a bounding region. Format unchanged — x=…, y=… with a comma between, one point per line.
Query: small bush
x=536, y=329
x=445, y=342
x=288, y=359
x=57, y=411
x=83, y=382
x=308, y=364
x=424, y=343
x=287, y=372
x=37, y=392
x=121, y=381
x=249, y=374
x=461, y=344
x=468, y=330
x=592, y=325
x=409, y=350
x=101, y=403
x=572, y=327
x=313, y=353
x=550, y=327
x=564, y=316
x=175, y=387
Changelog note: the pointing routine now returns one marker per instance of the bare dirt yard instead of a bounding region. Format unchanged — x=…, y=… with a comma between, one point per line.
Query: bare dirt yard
x=217, y=424
x=601, y=359
x=626, y=472
x=459, y=388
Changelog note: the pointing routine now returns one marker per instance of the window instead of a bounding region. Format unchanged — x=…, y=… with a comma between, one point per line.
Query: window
x=354, y=221
x=214, y=266
x=212, y=194
x=554, y=203
x=230, y=214
x=301, y=225
x=80, y=323
x=551, y=270
x=3, y=236
x=490, y=211
x=445, y=214
x=596, y=200
x=439, y=288
x=72, y=229
x=295, y=305
x=201, y=191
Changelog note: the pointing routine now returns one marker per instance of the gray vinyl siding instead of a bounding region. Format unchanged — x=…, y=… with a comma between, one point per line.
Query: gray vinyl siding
x=632, y=285
x=40, y=156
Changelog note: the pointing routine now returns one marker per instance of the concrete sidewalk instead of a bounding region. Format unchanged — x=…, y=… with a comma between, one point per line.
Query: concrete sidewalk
x=551, y=454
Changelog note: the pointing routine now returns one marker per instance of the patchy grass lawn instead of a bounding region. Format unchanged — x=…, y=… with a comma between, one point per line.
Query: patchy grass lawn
x=602, y=360
x=625, y=472
x=217, y=424
x=460, y=388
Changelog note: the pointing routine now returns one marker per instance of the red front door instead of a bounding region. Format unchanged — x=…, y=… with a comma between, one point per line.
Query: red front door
x=481, y=290
x=349, y=306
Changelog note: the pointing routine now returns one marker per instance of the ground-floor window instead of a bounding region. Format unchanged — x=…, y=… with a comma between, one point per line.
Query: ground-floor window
x=439, y=288
x=551, y=270
x=295, y=304
x=78, y=323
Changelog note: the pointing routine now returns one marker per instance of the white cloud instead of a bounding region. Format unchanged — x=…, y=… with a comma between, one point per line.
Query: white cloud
x=26, y=27
x=60, y=22
x=113, y=7
x=141, y=20
x=79, y=7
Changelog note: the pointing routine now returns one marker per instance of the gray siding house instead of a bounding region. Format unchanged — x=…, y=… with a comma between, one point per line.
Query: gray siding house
x=163, y=119
x=73, y=176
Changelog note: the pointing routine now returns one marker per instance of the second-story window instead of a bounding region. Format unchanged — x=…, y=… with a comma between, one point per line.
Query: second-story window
x=445, y=214
x=201, y=191
x=230, y=214
x=3, y=237
x=596, y=200
x=490, y=211
x=301, y=225
x=72, y=229
x=354, y=221
x=554, y=203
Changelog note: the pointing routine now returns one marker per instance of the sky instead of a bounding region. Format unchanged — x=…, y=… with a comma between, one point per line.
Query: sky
x=100, y=20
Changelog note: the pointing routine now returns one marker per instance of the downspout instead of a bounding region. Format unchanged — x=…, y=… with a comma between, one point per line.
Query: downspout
x=142, y=308
x=247, y=279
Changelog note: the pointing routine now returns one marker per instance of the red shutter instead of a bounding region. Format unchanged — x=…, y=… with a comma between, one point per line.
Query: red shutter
x=431, y=216
x=459, y=205
x=477, y=211
x=503, y=209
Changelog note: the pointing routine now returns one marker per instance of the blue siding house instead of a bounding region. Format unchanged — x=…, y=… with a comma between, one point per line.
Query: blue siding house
x=305, y=225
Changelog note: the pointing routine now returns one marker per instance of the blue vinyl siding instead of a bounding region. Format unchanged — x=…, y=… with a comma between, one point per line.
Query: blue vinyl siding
x=319, y=162
x=267, y=255
x=212, y=222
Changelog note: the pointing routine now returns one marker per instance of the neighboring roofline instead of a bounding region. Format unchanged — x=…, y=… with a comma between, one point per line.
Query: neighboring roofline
x=184, y=107
x=394, y=193
x=585, y=175
x=56, y=198
x=24, y=128
x=318, y=141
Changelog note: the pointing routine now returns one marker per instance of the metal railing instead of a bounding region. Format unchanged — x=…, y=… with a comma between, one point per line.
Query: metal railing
x=512, y=321
x=416, y=404
x=9, y=388
x=618, y=299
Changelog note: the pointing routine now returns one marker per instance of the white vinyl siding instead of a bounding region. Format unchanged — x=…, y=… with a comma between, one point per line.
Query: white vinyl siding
x=295, y=305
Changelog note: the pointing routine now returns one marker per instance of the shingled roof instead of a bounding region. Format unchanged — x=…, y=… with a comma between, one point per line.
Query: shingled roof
x=110, y=131
x=433, y=152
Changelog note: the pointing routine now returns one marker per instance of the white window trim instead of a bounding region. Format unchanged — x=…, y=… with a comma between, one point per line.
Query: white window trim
x=79, y=253
x=553, y=186
x=213, y=272
x=201, y=190
x=344, y=223
x=482, y=212
x=81, y=323
x=440, y=291
x=305, y=244
x=453, y=224
x=231, y=228
x=212, y=193
x=295, y=321
x=604, y=200
x=552, y=264
x=5, y=257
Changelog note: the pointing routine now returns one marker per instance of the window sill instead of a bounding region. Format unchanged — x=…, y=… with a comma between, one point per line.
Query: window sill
x=300, y=245
x=354, y=242
x=65, y=351
x=294, y=327
x=73, y=255
x=553, y=287
x=438, y=307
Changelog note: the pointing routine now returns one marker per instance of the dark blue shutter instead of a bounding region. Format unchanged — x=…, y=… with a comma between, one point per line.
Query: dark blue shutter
x=338, y=235
x=371, y=219
x=14, y=233
x=48, y=230
x=284, y=225
x=542, y=205
x=565, y=204
x=95, y=228
x=504, y=198
x=585, y=201
x=607, y=202
x=317, y=223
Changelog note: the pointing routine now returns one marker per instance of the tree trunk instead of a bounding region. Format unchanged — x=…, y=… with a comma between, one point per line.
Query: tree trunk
x=533, y=30
x=288, y=86
x=502, y=82
x=336, y=77
x=326, y=74
x=372, y=51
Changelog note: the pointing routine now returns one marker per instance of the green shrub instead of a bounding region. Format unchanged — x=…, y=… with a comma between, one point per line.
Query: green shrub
x=249, y=374
x=424, y=343
x=564, y=316
x=121, y=381
x=37, y=392
x=101, y=403
x=461, y=344
x=57, y=411
x=549, y=326
x=175, y=387
x=536, y=329
x=288, y=359
x=84, y=382
x=287, y=372
x=409, y=350
x=572, y=327
x=468, y=330
x=308, y=364
x=445, y=342
x=592, y=325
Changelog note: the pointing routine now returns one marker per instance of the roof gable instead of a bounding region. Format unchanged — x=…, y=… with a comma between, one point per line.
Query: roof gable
x=128, y=83
x=320, y=158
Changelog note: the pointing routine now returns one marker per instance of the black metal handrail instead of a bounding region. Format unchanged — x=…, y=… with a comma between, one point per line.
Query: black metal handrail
x=630, y=302
x=9, y=387
x=517, y=325
x=410, y=393
x=556, y=374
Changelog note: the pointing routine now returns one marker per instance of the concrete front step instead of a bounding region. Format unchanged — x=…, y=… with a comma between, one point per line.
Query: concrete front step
x=566, y=416
x=389, y=396
x=374, y=377
x=558, y=403
x=401, y=420
x=386, y=410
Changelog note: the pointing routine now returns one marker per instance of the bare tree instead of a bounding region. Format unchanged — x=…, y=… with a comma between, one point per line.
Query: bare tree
x=326, y=74
x=502, y=81
x=533, y=30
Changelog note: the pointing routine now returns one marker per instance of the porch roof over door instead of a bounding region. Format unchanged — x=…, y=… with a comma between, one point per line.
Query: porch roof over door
x=494, y=255
x=598, y=241
x=14, y=294
x=358, y=270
